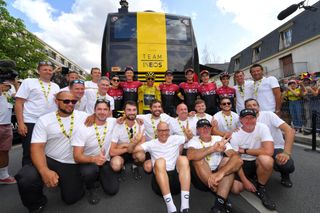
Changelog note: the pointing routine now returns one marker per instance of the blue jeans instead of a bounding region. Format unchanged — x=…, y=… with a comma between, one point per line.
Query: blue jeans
x=295, y=108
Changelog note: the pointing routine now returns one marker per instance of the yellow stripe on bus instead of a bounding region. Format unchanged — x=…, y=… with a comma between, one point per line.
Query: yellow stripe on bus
x=151, y=42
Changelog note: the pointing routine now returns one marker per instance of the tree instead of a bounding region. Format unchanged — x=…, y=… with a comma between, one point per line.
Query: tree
x=207, y=56
x=18, y=44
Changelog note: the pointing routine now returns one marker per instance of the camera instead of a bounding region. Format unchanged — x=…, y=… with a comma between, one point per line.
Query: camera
x=7, y=70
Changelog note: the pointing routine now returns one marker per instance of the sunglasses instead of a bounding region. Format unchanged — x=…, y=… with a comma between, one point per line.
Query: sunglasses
x=77, y=81
x=226, y=103
x=150, y=79
x=116, y=80
x=68, y=101
x=102, y=101
x=45, y=63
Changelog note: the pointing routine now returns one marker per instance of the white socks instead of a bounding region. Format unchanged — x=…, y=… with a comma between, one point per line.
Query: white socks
x=4, y=173
x=169, y=202
x=184, y=200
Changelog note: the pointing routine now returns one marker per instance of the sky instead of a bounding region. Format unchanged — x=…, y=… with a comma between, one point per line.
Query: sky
x=222, y=27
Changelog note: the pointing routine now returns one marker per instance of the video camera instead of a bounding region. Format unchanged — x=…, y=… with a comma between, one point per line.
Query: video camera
x=7, y=70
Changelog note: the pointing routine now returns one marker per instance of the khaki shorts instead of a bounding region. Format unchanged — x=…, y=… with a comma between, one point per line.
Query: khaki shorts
x=6, y=137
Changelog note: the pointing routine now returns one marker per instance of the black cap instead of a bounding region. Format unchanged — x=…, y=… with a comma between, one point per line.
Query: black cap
x=128, y=68
x=203, y=122
x=169, y=72
x=188, y=70
x=7, y=65
x=246, y=112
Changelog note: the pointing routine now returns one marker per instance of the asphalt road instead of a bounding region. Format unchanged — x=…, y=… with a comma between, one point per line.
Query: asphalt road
x=137, y=196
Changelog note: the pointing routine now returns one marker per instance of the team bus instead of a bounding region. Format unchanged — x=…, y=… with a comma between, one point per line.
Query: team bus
x=150, y=42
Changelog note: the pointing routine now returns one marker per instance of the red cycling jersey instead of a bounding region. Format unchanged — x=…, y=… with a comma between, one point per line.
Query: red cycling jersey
x=190, y=92
x=208, y=94
x=130, y=90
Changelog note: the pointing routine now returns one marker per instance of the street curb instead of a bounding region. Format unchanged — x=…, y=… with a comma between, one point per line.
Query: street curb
x=306, y=139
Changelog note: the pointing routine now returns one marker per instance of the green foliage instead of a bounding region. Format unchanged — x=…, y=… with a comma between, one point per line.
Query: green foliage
x=18, y=44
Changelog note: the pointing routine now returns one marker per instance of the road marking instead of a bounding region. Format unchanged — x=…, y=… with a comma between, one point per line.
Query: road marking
x=302, y=145
x=255, y=202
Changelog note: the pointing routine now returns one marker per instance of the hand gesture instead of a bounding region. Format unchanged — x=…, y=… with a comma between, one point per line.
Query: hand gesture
x=187, y=131
x=138, y=136
x=214, y=123
x=50, y=178
x=221, y=145
x=101, y=158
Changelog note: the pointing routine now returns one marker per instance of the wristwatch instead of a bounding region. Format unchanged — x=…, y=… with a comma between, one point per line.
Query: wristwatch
x=245, y=151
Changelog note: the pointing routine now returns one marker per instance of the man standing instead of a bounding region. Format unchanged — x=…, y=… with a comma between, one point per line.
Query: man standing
x=72, y=75
x=225, y=90
x=95, y=76
x=171, y=172
x=243, y=90
x=210, y=171
x=255, y=144
x=130, y=87
x=6, y=135
x=169, y=94
x=189, y=89
x=207, y=92
x=93, y=95
x=34, y=98
x=52, y=157
x=91, y=149
x=148, y=93
x=283, y=162
x=266, y=90
x=116, y=92
x=125, y=138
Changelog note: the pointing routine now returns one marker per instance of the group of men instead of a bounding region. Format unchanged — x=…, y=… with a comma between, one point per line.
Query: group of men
x=221, y=152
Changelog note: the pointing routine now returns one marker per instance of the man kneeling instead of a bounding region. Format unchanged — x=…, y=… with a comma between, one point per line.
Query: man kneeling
x=168, y=167
x=211, y=171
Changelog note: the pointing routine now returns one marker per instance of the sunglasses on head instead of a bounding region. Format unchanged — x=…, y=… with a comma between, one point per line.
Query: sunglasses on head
x=68, y=101
x=226, y=103
x=102, y=101
x=45, y=63
x=78, y=81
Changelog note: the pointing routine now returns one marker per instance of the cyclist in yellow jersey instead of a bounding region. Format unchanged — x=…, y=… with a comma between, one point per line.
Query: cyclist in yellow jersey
x=148, y=92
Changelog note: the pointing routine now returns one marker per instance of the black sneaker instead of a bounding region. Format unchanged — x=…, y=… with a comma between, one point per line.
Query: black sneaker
x=37, y=210
x=185, y=211
x=264, y=197
x=228, y=206
x=93, y=197
x=285, y=180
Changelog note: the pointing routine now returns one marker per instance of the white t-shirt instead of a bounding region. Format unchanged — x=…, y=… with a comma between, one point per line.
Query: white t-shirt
x=90, y=85
x=273, y=122
x=87, y=138
x=264, y=94
x=178, y=125
x=57, y=146
x=81, y=104
x=168, y=150
x=215, y=158
x=93, y=96
x=121, y=135
x=250, y=140
x=244, y=95
x=5, y=111
x=206, y=116
x=151, y=124
x=36, y=103
x=227, y=123
x=65, y=89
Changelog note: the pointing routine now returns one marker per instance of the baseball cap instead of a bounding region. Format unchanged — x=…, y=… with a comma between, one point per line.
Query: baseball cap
x=168, y=73
x=7, y=65
x=203, y=122
x=204, y=71
x=246, y=112
x=189, y=70
x=128, y=68
x=223, y=74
